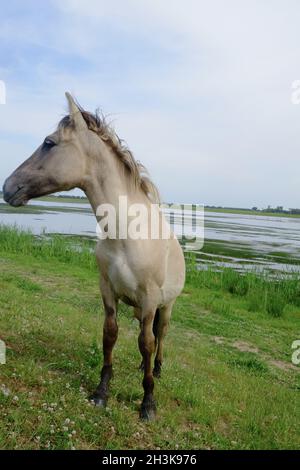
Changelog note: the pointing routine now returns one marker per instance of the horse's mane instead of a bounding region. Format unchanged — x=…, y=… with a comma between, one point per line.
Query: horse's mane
x=136, y=170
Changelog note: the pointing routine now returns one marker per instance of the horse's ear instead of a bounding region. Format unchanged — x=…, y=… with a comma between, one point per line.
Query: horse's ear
x=75, y=112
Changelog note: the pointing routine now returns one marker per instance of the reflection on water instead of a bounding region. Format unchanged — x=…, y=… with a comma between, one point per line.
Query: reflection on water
x=235, y=240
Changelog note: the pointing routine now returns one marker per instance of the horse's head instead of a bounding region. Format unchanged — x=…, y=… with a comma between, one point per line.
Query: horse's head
x=58, y=164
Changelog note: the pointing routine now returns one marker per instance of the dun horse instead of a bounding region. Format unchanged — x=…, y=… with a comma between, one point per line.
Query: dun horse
x=147, y=274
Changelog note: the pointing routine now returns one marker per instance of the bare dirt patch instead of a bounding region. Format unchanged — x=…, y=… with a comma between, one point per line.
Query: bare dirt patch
x=245, y=347
x=283, y=365
x=218, y=339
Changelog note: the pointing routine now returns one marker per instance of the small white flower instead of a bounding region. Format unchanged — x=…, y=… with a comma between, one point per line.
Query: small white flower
x=5, y=390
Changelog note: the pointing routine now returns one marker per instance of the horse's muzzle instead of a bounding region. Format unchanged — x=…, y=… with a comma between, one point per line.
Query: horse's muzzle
x=14, y=194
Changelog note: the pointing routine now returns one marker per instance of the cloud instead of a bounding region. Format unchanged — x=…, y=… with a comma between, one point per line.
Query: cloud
x=199, y=90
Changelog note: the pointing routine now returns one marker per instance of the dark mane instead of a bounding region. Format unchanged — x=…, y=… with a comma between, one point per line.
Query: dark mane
x=136, y=170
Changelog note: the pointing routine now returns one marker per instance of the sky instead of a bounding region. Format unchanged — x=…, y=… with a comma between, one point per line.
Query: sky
x=201, y=91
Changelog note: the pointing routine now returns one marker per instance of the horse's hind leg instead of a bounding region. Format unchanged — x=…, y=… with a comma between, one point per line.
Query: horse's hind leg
x=147, y=348
x=138, y=315
x=110, y=334
x=161, y=331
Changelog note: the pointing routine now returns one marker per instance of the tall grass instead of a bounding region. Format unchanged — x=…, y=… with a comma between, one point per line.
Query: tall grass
x=262, y=292
x=66, y=249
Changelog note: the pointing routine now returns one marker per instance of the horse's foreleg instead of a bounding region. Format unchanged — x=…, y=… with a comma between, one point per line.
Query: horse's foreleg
x=110, y=335
x=147, y=348
x=155, y=332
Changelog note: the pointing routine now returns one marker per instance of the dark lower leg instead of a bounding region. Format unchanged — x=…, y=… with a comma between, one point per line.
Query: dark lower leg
x=158, y=358
x=110, y=334
x=157, y=367
x=141, y=367
x=162, y=330
x=147, y=346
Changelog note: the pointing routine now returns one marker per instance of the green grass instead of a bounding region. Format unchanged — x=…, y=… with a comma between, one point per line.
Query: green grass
x=57, y=198
x=224, y=249
x=229, y=210
x=262, y=292
x=227, y=380
x=71, y=199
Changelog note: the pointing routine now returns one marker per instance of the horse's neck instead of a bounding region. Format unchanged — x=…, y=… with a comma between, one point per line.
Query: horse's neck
x=98, y=192
x=107, y=182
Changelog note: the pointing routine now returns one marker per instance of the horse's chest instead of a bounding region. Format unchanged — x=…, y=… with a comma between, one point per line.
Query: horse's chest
x=122, y=278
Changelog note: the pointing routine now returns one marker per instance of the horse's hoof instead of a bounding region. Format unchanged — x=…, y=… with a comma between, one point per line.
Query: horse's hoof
x=148, y=412
x=97, y=401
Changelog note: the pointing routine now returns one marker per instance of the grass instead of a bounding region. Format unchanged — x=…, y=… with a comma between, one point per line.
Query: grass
x=64, y=199
x=262, y=292
x=227, y=382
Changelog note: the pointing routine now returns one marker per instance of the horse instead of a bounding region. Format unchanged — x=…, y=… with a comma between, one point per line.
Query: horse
x=147, y=273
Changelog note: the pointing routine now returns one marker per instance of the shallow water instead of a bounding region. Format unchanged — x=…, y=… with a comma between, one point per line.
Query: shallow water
x=270, y=242
x=244, y=241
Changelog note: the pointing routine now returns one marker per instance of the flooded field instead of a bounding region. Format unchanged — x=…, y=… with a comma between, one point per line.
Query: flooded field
x=244, y=242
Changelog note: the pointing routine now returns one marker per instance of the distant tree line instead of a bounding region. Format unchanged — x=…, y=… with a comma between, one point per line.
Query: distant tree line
x=276, y=210
x=281, y=210
x=71, y=196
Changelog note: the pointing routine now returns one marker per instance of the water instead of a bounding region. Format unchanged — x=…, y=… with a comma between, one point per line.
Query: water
x=263, y=242
x=57, y=217
x=235, y=240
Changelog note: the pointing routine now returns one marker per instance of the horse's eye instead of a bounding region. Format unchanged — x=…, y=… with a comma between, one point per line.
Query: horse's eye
x=48, y=144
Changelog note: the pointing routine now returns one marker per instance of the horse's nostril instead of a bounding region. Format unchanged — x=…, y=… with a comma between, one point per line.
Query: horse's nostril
x=10, y=190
